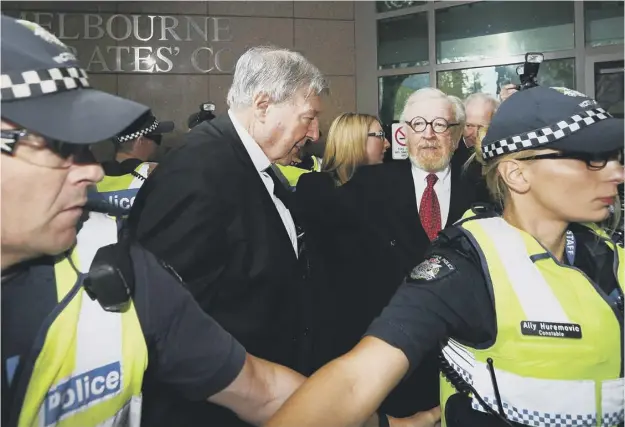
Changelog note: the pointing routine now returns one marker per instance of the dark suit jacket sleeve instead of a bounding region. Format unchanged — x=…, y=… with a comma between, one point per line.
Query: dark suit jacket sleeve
x=182, y=220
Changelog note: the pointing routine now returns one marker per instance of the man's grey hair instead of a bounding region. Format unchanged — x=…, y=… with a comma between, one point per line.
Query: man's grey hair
x=430, y=92
x=279, y=73
x=459, y=108
x=461, y=117
x=483, y=97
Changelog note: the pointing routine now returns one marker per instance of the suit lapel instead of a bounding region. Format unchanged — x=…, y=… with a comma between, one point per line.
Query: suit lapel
x=224, y=124
x=459, y=200
x=407, y=199
x=256, y=191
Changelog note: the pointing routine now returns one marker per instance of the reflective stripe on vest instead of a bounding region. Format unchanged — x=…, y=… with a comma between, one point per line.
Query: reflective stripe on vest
x=121, y=190
x=316, y=164
x=90, y=369
x=544, y=379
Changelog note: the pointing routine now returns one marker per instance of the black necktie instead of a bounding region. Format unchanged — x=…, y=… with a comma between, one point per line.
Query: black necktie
x=279, y=190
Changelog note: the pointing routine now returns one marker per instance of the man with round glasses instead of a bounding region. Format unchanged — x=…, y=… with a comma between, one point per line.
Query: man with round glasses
x=433, y=125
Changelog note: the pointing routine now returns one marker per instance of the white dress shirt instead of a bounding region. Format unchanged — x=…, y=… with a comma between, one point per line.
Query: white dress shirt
x=261, y=162
x=442, y=188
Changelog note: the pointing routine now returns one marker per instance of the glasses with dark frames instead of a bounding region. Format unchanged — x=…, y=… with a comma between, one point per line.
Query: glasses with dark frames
x=439, y=124
x=594, y=161
x=65, y=154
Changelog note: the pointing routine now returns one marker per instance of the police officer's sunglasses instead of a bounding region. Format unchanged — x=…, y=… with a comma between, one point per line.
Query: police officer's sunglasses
x=594, y=161
x=65, y=154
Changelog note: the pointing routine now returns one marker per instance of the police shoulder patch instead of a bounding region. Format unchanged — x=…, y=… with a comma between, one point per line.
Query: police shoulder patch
x=433, y=268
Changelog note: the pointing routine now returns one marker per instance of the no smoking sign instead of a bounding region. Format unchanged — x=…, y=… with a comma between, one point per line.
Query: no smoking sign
x=398, y=144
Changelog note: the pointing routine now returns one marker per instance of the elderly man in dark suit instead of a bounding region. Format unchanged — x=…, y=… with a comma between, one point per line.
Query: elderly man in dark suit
x=382, y=221
x=216, y=213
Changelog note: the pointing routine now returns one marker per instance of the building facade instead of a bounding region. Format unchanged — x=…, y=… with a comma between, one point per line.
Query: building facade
x=175, y=55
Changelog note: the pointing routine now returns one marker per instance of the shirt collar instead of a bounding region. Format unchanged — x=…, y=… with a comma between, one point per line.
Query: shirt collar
x=260, y=160
x=420, y=174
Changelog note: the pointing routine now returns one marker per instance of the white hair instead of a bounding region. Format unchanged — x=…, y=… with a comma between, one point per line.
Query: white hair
x=430, y=92
x=483, y=97
x=459, y=109
x=279, y=73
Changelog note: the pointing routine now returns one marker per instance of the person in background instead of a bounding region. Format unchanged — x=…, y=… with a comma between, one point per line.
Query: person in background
x=479, y=109
x=135, y=148
x=206, y=113
x=462, y=152
x=297, y=163
x=354, y=140
x=137, y=145
x=526, y=309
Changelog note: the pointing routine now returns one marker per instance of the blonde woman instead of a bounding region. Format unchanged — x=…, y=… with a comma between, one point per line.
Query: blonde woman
x=526, y=307
x=333, y=237
x=354, y=140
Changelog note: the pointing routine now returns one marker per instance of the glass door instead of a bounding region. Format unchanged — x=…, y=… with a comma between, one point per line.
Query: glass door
x=605, y=82
x=605, y=75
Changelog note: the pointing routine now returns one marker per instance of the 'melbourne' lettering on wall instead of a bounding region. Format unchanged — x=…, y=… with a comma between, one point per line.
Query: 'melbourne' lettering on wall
x=136, y=30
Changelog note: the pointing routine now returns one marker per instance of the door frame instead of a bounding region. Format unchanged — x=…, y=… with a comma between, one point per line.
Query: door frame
x=591, y=60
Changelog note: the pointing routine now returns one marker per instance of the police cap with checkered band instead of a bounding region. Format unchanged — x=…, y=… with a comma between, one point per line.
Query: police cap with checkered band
x=554, y=118
x=45, y=90
x=147, y=126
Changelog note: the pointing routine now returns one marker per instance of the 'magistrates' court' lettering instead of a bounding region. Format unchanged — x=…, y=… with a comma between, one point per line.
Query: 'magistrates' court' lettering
x=144, y=43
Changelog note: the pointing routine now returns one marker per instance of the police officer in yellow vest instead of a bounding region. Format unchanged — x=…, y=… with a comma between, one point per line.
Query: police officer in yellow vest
x=297, y=167
x=527, y=307
x=135, y=147
x=83, y=317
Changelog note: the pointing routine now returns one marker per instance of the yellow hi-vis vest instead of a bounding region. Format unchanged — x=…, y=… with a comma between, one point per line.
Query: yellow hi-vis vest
x=557, y=354
x=90, y=368
x=292, y=173
x=121, y=190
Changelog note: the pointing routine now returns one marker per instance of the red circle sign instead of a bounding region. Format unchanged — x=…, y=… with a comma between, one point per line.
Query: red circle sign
x=400, y=137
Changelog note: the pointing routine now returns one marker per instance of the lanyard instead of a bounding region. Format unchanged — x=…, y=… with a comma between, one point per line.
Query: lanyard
x=569, y=249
